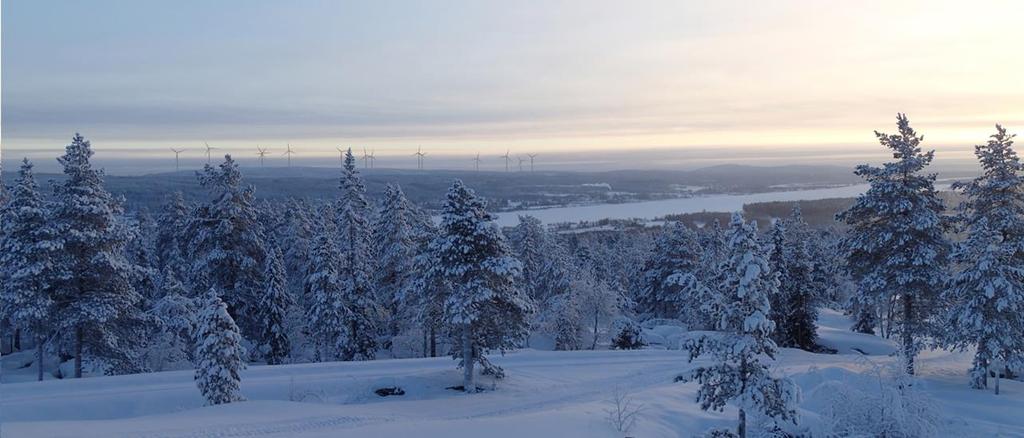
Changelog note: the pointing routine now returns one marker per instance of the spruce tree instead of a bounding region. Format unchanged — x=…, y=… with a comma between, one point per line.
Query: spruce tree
x=219, y=353
x=227, y=244
x=29, y=268
x=273, y=307
x=671, y=286
x=529, y=241
x=778, y=261
x=395, y=242
x=356, y=266
x=740, y=353
x=324, y=306
x=485, y=308
x=96, y=301
x=986, y=297
x=170, y=242
x=896, y=246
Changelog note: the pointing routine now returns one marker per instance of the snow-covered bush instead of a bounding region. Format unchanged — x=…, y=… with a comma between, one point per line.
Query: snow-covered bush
x=627, y=335
x=219, y=353
x=887, y=403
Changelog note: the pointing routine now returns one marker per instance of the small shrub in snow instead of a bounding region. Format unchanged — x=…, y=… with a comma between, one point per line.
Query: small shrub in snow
x=624, y=411
x=627, y=335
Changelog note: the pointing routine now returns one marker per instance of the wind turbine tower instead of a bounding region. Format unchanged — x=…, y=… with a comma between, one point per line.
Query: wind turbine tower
x=532, y=156
x=507, y=158
x=341, y=155
x=177, y=153
x=366, y=159
x=289, y=153
x=372, y=157
x=477, y=162
x=208, y=149
x=419, y=157
x=262, y=152
x=521, y=159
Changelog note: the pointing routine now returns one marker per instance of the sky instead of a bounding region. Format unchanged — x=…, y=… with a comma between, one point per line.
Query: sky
x=630, y=82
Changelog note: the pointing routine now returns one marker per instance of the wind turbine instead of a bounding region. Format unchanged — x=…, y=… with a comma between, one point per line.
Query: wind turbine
x=477, y=161
x=366, y=158
x=289, y=153
x=341, y=154
x=177, y=152
x=419, y=157
x=208, y=149
x=507, y=159
x=372, y=157
x=262, y=152
x=521, y=159
x=532, y=156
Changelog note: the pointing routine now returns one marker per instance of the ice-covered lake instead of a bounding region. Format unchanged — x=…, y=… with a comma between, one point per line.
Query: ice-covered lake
x=660, y=208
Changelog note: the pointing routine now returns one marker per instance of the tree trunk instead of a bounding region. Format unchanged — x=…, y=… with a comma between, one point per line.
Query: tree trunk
x=433, y=341
x=79, y=338
x=17, y=339
x=597, y=316
x=40, y=341
x=741, y=429
x=467, y=359
x=908, y=335
x=426, y=343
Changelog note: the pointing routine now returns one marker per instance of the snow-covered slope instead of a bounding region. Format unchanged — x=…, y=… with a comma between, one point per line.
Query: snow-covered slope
x=563, y=394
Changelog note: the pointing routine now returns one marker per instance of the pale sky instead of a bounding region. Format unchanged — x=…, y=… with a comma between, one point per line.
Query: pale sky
x=548, y=77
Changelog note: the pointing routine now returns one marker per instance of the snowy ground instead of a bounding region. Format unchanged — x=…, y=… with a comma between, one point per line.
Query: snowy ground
x=563, y=394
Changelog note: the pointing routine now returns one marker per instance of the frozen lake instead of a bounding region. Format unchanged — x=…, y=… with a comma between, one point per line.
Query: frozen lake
x=659, y=208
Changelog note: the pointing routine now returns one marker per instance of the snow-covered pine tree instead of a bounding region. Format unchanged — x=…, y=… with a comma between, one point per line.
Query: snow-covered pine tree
x=174, y=317
x=739, y=371
x=96, y=300
x=529, y=240
x=801, y=295
x=775, y=243
x=485, y=308
x=997, y=196
x=396, y=243
x=986, y=304
x=428, y=290
x=169, y=243
x=671, y=286
x=324, y=307
x=896, y=245
x=356, y=266
x=227, y=244
x=986, y=298
x=219, y=353
x=29, y=268
x=273, y=307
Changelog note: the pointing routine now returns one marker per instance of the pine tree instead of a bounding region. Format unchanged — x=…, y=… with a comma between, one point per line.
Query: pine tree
x=800, y=293
x=273, y=308
x=96, y=301
x=529, y=241
x=227, y=244
x=29, y=268
x=986, y=298
x=174, y=316
x=672, y=288
x=356, y=270
x=170, y=243
x=219, y=353
x=896, y=245
x=485, y=307
x=324, y=306
x=396, y=245
x=739, y=371
x=778, y=263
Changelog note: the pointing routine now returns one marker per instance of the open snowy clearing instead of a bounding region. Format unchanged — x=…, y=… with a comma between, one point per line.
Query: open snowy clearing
x=546, y=394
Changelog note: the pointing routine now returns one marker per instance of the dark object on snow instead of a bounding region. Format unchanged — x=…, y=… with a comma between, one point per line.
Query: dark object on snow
x=463, y=388
x=394, y=390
